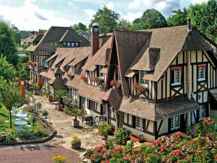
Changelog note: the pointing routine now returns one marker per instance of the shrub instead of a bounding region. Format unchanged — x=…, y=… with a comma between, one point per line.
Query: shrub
x=122, y=135
x=44, y=113
x=11, y=137
x=76, y=142
x=59, y=159
x=105, y=129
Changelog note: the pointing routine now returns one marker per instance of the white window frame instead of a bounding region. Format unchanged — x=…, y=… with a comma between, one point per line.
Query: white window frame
x=201, y=74
x=68, y=44
x=143, y=82
x=177, y=79
x=101, y=75
x=72, y=44
x=175, y=122
x=139, y=123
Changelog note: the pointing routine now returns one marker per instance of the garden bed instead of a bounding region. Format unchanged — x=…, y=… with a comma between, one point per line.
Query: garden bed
x=198, y=145
x=40, y=130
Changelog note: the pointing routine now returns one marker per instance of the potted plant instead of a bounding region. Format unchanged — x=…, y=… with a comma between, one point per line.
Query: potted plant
x=59, y=159
x=76, y=142
x=59, y=93
x=44, y=113
x=104, y=129
x=76, y=113
x=35, y=88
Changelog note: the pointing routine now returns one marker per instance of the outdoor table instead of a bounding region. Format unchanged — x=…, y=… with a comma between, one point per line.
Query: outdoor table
x=87, y=118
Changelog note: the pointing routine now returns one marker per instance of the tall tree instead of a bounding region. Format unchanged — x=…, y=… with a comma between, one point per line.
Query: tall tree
x=107, y=19
x=10, y=95
x=124, y=24
x=7, y=70
x=151, y=18
x=7, y=44
x=178, y=18
x=80, y=27
x=204, y=17
x=23, y=71
x=16, y=34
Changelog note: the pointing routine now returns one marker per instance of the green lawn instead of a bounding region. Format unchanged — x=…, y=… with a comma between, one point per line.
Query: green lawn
x=4, y=115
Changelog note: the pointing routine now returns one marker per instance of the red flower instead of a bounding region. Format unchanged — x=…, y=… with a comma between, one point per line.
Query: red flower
x=177, y=152
x=161, y=148
x=67, y=74
x=19, y=82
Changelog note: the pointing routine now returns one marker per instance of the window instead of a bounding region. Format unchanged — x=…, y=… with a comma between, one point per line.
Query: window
x=175, y=122
x=101, y=75
x=64, y=44
x=201, y=112
x=176, y=76
x=73, y=44
x=76, y=44
x=73, y=71
x=201, y=72
x=139, y=123
x=141, y=80
x=68, y=44
x=92, y=105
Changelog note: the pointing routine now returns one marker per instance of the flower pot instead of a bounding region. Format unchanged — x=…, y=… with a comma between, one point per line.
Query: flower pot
x=60, y=107
x=75, y=123
x=135, y=138
x=76, y=145
x=50, y=98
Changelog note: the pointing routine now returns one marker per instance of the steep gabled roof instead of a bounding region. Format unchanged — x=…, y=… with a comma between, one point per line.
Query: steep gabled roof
x=53, y=36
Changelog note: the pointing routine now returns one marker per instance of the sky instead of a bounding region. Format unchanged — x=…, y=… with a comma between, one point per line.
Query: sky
x=42, y=14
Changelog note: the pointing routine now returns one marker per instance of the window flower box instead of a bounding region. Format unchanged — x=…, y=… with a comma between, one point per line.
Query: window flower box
x=51, y=69
x=67, y=74
x=84, y=78
x=139, y=88
x=115, y=83
x=42, y=67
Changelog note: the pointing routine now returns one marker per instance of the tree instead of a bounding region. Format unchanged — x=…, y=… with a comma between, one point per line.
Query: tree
x=151, y=18
x=80, y=27
x=23, y=71
x=107, y=20
x=178, y=18
x=124, y=25
x=7, y=44
x=10, y=95
x=204, y=17
x=7, y=70
x=16, y=34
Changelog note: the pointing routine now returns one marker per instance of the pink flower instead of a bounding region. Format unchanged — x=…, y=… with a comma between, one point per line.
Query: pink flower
x=161, y=148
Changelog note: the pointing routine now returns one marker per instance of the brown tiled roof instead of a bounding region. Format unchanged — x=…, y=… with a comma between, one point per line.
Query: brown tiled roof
x=71, y=36
x=57, y=83
x=51, y=38
x=128, y=44
x=48, y=74
x=99, y=57
x=149, y=110
x=115, y=98
x=104, y=70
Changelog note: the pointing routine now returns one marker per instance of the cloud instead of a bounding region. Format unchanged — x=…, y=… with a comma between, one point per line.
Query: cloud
x=164, y=6
x=198, y=1
x=30, y=17
x=89, y=12
x=40, y=16
x=110, y=5
x=131, y=16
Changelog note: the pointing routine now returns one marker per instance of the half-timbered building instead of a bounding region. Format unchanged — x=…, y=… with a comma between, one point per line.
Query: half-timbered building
x=45, y=45
x=153, y=82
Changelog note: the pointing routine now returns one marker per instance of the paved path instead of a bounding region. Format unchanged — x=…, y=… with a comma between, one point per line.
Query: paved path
x=35, y=154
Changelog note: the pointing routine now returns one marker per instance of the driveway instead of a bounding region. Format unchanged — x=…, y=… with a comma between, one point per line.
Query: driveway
x=35, y=154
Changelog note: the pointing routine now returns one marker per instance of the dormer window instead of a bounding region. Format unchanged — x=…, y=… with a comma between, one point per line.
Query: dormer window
x=176, y=76
x=73, y=44
x=141, y=80
x=64, y=44
x=68, y=44
x=101, y=75
x=73, y=71
x=201, y=72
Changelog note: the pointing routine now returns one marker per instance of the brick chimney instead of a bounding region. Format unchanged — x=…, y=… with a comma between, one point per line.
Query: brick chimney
x=95, y=38
x=189, y=23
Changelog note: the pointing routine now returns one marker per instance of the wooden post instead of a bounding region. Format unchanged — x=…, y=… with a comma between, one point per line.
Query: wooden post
x=107, y=113
x=155, y=129
x=117, y=119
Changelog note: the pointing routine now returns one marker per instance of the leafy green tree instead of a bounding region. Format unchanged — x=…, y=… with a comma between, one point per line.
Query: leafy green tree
x=80, y=27
x=178, y=18
x=23, y=71
x=124, y=25
x=107, y=19
x=204, y=17
x=151, y=18
x=7, y=70
x=7, y=44
x=10, y=96
x=16, y=34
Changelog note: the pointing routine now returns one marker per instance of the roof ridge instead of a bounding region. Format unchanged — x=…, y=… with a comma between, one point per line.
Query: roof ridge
x=179, y=26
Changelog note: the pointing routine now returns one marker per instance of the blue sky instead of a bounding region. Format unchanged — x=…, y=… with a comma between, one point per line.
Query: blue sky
x=41, y=14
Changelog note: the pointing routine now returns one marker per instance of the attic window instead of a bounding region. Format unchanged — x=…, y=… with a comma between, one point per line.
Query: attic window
x=68, y=44
x=73, y=44
x=176, y=76
x=201, y=72
x=73, y=71
x=64, y=44
x=141, y=80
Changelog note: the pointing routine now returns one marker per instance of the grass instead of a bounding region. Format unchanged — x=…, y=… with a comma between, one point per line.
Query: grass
x=4, y=115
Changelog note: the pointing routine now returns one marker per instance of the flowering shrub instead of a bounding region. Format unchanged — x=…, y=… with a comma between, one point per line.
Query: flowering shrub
x=105, y=129
x=139, y=87
x=115, y=83
x=122, y=135
x=95, y=79
x=179, y=147
x=59, y=159
x=84, y=78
